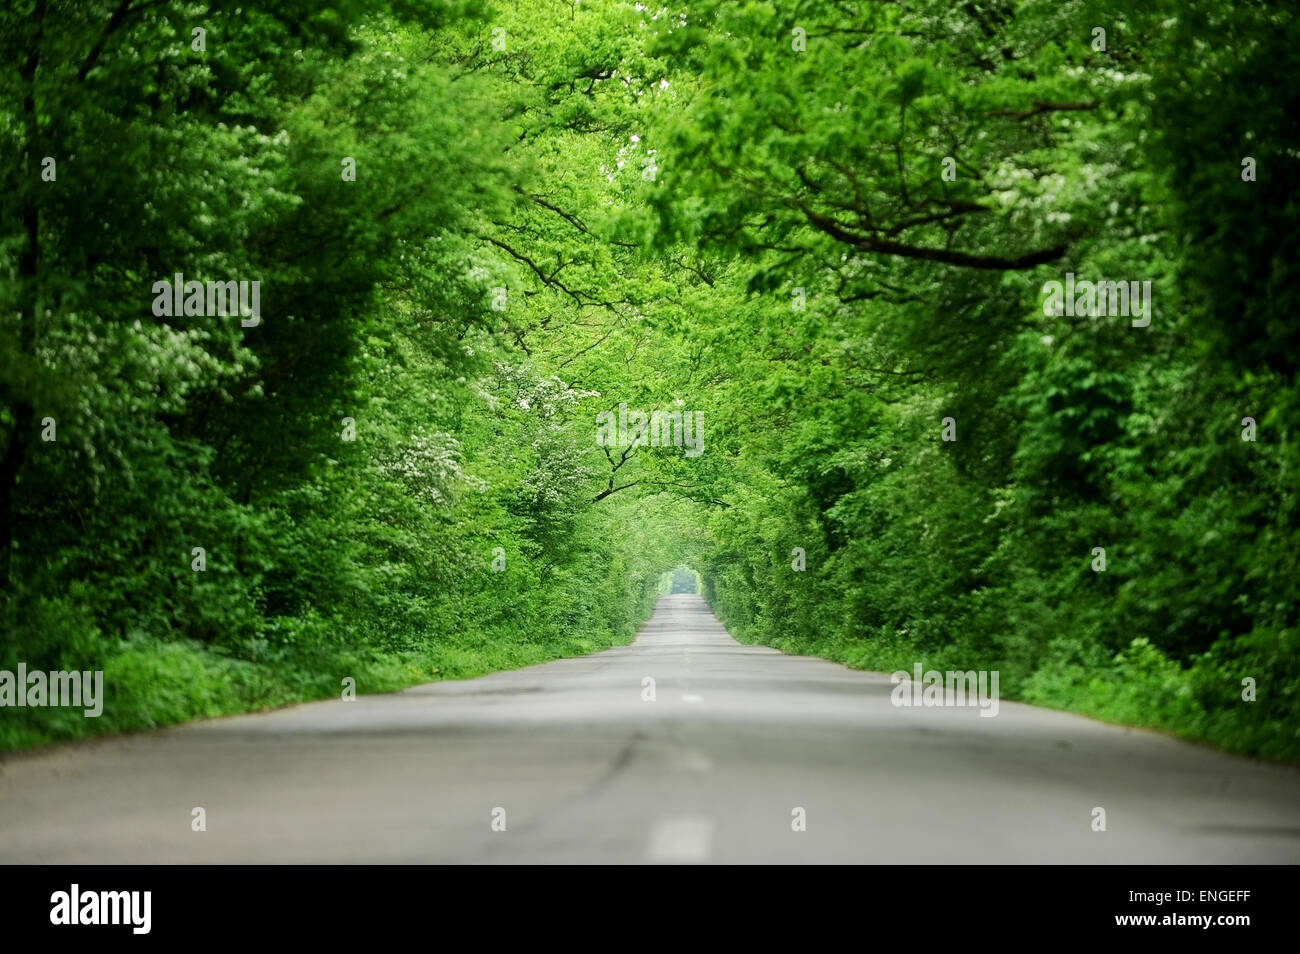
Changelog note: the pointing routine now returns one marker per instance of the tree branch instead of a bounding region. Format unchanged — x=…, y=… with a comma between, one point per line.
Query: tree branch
x=867, y=243
x=1041, y=106
x=114, y=22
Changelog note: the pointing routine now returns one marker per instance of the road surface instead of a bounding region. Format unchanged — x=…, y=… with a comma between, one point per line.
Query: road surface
x=577, y=766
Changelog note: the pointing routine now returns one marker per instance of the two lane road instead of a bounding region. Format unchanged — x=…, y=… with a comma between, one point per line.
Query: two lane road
x=739, y=744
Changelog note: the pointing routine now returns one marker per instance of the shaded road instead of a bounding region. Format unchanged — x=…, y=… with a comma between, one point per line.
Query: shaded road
x=585, y=770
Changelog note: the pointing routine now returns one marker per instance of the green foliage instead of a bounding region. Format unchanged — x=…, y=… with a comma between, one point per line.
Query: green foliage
x=826, y=227
x=820, y=170
x=325, y=558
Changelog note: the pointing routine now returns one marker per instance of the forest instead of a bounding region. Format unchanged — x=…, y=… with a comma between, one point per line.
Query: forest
x=960, y=335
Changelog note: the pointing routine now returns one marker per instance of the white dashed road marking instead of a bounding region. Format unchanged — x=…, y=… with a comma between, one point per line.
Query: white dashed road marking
x=682, y=839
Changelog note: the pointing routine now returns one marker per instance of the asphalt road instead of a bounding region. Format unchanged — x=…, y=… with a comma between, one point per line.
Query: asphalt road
x=585, y=769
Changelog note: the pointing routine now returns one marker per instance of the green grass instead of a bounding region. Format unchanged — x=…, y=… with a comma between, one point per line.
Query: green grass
x=150, y=684
x=1139, y=687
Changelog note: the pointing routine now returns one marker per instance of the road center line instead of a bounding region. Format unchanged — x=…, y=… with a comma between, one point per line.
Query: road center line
x=685, y=838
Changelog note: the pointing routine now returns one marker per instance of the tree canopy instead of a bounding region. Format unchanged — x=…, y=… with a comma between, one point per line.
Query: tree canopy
x=818, y=233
